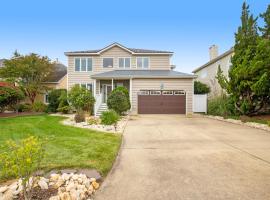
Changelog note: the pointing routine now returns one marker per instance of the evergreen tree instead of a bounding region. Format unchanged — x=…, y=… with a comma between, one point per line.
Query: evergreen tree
x=266, y=29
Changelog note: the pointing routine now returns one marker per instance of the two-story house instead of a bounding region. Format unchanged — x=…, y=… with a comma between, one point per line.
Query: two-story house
x=153, y=86
x=207, y=73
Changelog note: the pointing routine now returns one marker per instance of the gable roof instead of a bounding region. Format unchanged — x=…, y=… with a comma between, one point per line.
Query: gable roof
x=214, y=60
x=60, y=71
x=142, y=74
x=130, y=50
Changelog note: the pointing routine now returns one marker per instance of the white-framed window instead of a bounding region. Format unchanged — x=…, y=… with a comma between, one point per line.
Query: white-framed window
x=144, y=92
x=143, y=62
x=107, y=62
x=46, y=98
x=88, y=86
x=167, y=92
x=124, y=62
x=155, y=92
x=119, y=84
x=179, y=92
x=83, y=64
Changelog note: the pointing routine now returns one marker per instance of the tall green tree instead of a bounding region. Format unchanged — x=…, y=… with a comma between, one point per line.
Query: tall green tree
x=266, y=28
x=245, y=75
x=28, y=72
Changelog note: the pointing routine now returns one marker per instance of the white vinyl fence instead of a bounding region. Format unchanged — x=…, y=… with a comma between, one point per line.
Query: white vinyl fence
x=200, y=103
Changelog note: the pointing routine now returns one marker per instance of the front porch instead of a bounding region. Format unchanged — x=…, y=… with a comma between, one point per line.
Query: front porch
x=103, y=88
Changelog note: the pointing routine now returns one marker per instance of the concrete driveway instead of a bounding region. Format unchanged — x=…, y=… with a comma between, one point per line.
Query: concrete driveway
x=173, y=157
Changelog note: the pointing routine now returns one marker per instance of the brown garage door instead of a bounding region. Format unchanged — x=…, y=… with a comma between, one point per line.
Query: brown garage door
x=161, y=102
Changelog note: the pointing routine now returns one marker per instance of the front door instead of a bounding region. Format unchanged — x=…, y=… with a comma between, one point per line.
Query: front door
x=106, y=91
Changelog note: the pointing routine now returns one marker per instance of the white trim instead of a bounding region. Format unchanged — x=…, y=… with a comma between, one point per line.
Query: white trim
x=165, y=91
x=130, y=59
x=113, y=45
x=143, y=62
x=103, y=63
x=155, y=91
x=130, y=93
x=112, y=84
x=81, y=64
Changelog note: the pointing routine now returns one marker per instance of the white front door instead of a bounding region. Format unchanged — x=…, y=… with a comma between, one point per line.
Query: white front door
x=106, y=91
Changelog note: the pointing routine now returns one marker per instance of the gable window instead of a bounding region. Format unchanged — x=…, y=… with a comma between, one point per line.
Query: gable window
x=124, y=62
x=143, y=62
x=107, y=62
x=83, y=64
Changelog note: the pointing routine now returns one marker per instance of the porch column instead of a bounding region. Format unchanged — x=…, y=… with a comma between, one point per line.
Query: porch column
x=94, y=87
x=112, y=84
x=130, y=92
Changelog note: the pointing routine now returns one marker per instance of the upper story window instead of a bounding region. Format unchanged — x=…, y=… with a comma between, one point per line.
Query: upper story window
x=107, y=62
x=83, y=64
x=143, y=62
x=124, y=62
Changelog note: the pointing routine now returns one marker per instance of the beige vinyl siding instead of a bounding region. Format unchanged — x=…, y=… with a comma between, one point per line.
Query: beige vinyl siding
x=208, y=74
x=169, y=84
x=157, y=62
x=62, y=84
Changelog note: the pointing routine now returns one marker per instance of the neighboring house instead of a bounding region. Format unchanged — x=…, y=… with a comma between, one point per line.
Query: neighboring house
x=207, y=73
x=153, y=86
x=2, y=62
x=57, y=81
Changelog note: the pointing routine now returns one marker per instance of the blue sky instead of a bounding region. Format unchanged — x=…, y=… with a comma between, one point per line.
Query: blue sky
x=186, y=27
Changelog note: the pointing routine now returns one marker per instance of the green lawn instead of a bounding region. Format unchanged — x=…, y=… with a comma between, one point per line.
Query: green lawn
x=67, y=147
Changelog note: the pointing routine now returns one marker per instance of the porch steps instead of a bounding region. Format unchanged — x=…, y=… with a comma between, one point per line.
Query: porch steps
x=103, y=107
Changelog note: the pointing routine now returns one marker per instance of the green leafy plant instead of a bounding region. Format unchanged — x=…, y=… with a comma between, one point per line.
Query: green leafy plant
x=109, y=118
x=38, y=106
x=201, y=88
x=24, y=107
x=81, y=99
x=118, y=100
x=222, y=106
x=21, y=160
x=63, y=103
x=54, y=99
x=9, y=96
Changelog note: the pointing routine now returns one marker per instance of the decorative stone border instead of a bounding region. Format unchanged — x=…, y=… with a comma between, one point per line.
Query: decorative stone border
x=121, y=124
x=234, y=121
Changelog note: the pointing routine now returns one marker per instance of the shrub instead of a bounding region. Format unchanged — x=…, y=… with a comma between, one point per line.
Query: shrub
x=118, y=100
x=79, y=117
x=109, y=118
x=268, y=123
x=21, y=160
x=38, y=106
x=63, y=105
x=9, y=96
x=24, y=107
x=201, y=88
x=93, y=120
x=81, y=99
x=54, y=99
x=222, y=106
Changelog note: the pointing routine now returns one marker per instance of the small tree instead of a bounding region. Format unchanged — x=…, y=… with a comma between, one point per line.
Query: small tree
x=81, y=99
x=63, y=105
x=28, y=72
x=21, y=161
x=54, y=99
x=201, y=88
x=9, y=96
x=118, y=100
x=109, y=118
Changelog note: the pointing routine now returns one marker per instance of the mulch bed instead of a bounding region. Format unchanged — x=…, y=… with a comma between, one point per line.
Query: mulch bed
x=14, y=114
x=39, y=194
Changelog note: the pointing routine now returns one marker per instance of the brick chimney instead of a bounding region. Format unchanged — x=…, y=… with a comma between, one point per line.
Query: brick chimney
x=213, y=52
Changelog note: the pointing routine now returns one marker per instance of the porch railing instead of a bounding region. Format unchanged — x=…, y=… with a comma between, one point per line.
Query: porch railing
x=98, y=98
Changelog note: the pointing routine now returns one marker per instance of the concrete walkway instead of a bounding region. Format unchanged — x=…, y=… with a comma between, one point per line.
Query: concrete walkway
x=173, y=157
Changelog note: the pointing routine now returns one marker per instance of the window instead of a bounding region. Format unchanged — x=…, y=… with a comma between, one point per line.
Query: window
x=46, y=98
x=155, y=92
x=107, y=62
x=168, y=92
x=83, y=64
x=124, y=62
x=179, y=92
x=88, y=86
x=144, y=92
x=119, y=84
x=143, y=62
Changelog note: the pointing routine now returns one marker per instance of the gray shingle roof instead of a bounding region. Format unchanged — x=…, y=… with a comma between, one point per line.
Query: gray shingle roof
x=133, y=50
x=59, y=73
x=142, y=74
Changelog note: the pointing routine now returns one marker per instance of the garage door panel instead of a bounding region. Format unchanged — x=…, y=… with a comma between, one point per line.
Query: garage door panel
x=161, y=104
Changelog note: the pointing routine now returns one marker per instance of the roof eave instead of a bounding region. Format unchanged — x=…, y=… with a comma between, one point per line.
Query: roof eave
x=128, y=77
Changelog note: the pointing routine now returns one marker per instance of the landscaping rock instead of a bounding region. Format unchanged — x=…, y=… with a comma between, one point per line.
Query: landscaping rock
x=42, y=183
x=90, y=173
x=3, y=189
x=54, y=198
x=7, y=195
